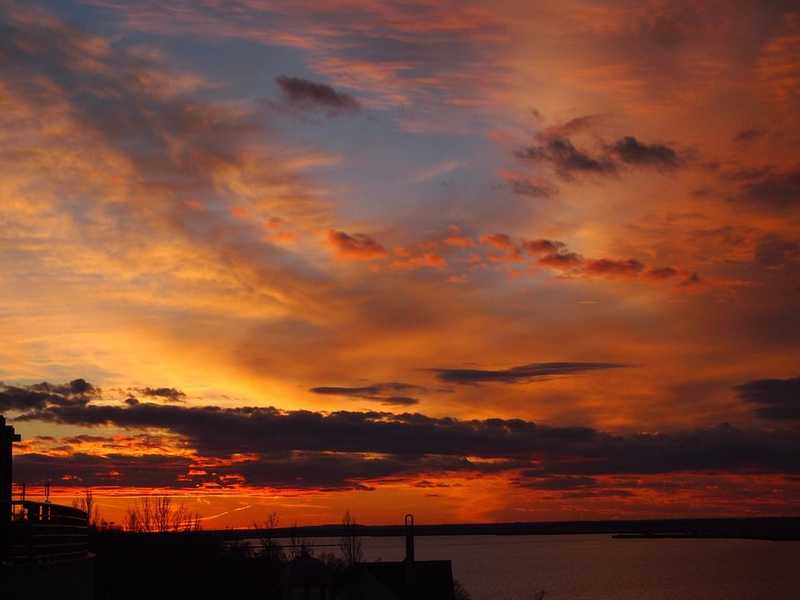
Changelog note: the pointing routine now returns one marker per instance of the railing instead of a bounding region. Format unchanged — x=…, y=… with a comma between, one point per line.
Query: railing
x=44, y=532
x=24, y=491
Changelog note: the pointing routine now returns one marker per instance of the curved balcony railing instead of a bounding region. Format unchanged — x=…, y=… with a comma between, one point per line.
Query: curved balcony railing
x=45, y=532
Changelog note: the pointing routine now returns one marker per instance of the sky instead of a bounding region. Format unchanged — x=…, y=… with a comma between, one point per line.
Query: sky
x=477, y=261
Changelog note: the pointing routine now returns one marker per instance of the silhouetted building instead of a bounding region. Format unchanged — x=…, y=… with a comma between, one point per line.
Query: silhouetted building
x=44, y=547
x=409, y=579
x=308, y=578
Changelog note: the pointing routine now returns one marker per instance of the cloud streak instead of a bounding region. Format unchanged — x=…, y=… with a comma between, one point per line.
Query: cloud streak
x=523, y=373
x=776, y=399
x=389, y=393
x=165, y=393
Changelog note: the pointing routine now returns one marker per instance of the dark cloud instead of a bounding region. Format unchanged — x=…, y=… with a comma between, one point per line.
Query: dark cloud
x=554, y=254
x=163, y=392
x=385, y=393
x=774, y=251
x=661, y=273
x=399, y=401
x=282, y=470
x=76, y=387
x=633, y=152
x=346, y=449
x=16, y=398
x=522, y=373
x=718, y=449
x=356, y=246
x=556, y=149
x=216, y=431
x=524, y=187
x=40, y=395
x=566, y=159
x=536, y=481
x=773, y=191
x=606, y=266
x=331, y=471
x=584, y=493
x=542, y=246
x=370, y=390
x=305, y=449
x=310, y=94
x=748, y=135
x=155, y=470
x=777, y=399
x=561, y=260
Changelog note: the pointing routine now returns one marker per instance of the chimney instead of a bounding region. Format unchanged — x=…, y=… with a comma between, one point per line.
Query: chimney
x=7, y=437
x=409, y=538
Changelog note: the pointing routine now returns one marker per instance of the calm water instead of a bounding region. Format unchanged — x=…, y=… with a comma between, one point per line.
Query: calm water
x=596, y=567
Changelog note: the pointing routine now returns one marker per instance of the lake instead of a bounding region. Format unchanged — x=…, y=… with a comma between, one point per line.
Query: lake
x=597, y=567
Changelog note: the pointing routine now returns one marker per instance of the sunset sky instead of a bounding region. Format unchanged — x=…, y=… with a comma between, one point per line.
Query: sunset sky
x=479, y=261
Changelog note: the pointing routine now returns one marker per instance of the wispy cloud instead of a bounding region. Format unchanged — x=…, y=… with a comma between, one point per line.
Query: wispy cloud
x=391, y=394
x=521, y=374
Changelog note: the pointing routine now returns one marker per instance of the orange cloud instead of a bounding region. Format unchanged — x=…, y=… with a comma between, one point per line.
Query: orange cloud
x=430, y=260
x=356, y=246
x=456, y=239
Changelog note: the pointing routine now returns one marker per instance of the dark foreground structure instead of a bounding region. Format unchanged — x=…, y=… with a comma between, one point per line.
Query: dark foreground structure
x=50, y=551
x=169, y=565
x=308, y=578
x=43, y=547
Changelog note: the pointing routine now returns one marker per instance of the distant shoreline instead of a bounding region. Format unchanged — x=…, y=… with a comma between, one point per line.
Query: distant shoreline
x=761, y=528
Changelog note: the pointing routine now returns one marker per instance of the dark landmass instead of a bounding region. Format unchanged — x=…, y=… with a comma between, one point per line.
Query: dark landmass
x=132, y=566
x=763, y=528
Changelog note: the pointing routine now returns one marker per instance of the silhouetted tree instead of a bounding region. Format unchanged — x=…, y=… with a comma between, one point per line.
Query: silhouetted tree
x=298, y=543
x=87, y=504
x=270, y=549
x=161, y=515
x=350, y=542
